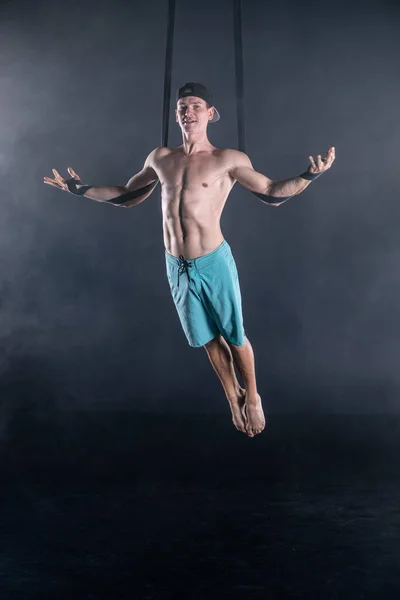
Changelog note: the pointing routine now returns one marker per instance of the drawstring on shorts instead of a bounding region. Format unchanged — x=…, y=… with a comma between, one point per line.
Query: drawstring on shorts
x=183, y=267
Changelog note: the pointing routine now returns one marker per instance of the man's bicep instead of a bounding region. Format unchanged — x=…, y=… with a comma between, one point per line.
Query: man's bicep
x=140, y=186
x=146, y=176
x=242, y=170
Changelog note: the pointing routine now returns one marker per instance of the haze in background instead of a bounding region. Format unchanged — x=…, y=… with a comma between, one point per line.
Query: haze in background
x=86, y=318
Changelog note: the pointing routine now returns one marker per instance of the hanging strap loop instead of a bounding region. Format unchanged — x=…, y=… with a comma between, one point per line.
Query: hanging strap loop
x=168, y=72
x=239, y=73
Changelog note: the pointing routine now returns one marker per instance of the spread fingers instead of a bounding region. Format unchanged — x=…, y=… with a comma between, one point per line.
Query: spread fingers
x=58, y=176
x=51, y=182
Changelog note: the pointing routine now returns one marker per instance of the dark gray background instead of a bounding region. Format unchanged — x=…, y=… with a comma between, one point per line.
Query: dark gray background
x=87, y=320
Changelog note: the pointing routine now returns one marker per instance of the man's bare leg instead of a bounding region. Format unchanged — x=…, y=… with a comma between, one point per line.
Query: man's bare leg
x=221, y=359
x=243, y=357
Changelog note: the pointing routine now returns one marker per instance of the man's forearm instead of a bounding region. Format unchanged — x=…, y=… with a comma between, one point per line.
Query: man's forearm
x=105, y=193
x=288, y=187
x=116, y=195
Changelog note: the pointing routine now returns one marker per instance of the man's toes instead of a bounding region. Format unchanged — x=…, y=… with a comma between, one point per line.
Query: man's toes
x=255, y=431
x=239, y=427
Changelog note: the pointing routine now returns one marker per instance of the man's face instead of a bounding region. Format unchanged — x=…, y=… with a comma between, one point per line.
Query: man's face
x=193, y=114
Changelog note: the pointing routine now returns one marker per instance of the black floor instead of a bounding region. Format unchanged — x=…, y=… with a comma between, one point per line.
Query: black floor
x=122, y=505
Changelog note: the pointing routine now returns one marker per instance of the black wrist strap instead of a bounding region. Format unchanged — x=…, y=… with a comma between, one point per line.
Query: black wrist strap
x=71, y=184
x=310, y=176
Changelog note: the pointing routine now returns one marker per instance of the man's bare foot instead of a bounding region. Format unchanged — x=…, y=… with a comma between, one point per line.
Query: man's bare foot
x=237, y=407
x=255, y=419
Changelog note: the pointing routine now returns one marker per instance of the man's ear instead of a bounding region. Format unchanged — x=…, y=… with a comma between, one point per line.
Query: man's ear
x=210, y=116
x=176, y=116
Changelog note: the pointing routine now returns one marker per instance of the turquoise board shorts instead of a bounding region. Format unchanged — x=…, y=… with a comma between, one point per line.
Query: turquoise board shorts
x=207, y=296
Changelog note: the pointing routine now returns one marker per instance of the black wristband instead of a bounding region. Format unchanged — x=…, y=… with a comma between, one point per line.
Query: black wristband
x=71, y=184
x=310, y=176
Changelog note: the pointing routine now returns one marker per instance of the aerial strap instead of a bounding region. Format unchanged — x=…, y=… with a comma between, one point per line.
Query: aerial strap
x=238, y=49
x=168, y=72
x=239, y=75
x=239, y=80
x=119, y=200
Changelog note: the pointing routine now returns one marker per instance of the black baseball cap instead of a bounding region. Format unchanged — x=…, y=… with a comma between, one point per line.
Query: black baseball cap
x=199, y=90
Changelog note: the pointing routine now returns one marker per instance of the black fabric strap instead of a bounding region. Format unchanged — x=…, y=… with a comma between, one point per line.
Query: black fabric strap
x=271, y=199
x=310, y=176
x=71, y=184
x=168, y=72
x=239, y=73
x=134, y=194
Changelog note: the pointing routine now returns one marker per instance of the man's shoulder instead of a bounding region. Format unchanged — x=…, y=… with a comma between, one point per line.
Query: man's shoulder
x=235, y=157
x=156, y=154
x=233, y=152
x=160, y=151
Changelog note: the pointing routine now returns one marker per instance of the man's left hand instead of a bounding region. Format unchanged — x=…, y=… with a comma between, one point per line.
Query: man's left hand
x=322, y=164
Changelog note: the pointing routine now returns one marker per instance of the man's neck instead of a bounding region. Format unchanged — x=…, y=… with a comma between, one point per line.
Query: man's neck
x=196, y=142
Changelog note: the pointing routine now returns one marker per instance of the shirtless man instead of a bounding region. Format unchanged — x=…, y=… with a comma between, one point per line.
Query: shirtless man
x=196, y=179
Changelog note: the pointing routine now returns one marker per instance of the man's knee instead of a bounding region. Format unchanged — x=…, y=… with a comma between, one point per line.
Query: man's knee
x=237, y=345
x=219, y=338
x=212, y=343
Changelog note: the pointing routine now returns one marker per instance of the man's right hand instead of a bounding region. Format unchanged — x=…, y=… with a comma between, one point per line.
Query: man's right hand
x=59, y=182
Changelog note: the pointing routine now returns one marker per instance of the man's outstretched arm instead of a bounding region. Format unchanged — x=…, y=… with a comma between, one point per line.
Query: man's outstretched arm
x=272, y=192
x=138, y=188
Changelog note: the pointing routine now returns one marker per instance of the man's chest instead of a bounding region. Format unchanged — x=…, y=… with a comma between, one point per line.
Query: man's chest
x=188, y=171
